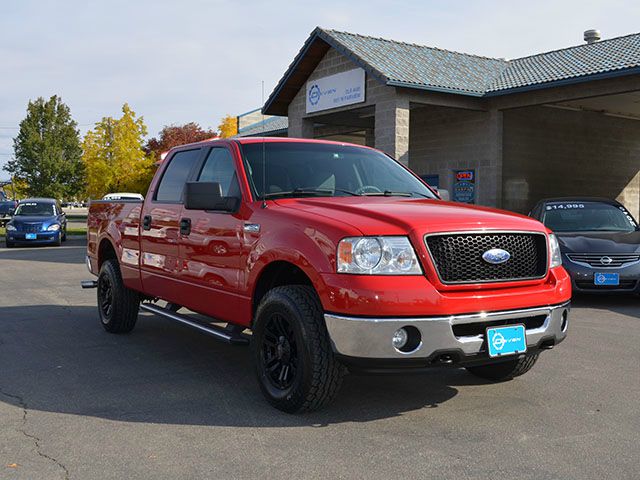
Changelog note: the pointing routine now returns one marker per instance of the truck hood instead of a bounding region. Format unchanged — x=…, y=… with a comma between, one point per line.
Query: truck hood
x=599, y=242
x=400, y=215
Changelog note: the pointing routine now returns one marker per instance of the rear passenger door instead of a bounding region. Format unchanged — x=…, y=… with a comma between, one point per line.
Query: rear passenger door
x=160, y=233
x=210, y=250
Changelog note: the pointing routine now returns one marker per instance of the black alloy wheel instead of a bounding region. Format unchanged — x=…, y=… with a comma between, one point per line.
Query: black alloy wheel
x=279, y=352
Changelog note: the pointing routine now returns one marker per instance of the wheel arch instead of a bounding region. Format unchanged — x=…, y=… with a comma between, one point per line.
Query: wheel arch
x=276, y=274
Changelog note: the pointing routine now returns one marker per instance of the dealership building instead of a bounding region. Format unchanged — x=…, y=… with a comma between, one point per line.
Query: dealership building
x=494, y=132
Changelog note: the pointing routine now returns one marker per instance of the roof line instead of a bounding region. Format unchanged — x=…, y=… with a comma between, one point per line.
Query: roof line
x=582, y=45
x=351, y=55
x=417, y=86
x=565, y=81
x=321, y=34
x=246, y=113
x=416, y=45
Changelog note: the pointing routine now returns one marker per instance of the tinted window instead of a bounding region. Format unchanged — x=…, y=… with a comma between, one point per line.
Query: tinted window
x=219, y=167
x=35, y=209
x=587, y=216
x=175, y=176
x=299, y=169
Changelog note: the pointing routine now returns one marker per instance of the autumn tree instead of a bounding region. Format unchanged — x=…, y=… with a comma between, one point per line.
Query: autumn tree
x=114, y=157
x=228, y=126
x=47, y=151
x=173, y=135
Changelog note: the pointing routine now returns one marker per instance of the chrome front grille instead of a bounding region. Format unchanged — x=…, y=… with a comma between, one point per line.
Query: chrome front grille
x=603, y=260
x=458, y=256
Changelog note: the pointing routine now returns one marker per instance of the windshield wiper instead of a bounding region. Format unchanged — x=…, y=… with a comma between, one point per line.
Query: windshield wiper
x=389, y=193
x=309, y=191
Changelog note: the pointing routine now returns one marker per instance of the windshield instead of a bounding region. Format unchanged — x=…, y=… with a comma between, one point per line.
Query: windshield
x=35, y=209
x=317, y=169
x=587, y=217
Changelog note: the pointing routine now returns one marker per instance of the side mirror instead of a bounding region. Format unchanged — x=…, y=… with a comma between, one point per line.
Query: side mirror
x=11, y=212
x=444, y=194
x=208, y=196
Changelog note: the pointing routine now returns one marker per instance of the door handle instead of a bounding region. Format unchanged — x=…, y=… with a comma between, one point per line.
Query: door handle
x=146, y=222
x=185, y=226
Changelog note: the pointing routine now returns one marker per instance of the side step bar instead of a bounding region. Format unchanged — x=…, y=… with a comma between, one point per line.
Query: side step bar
x=226, y=335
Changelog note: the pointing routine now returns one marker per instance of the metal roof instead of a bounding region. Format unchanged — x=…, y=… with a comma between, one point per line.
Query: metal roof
x=269, y=126
x=417, y=66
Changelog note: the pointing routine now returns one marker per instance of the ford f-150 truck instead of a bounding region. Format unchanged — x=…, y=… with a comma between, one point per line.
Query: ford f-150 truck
x=326, y=258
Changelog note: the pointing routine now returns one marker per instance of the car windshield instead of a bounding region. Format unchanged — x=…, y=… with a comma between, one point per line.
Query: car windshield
x=587, y=217
x=35, y=209
x=323, y=169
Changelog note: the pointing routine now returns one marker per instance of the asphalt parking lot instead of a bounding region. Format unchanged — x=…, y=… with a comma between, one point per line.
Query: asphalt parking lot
x=168, y=402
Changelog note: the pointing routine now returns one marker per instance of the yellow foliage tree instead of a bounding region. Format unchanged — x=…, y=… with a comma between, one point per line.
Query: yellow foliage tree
x=228, y=127
x=114, y=157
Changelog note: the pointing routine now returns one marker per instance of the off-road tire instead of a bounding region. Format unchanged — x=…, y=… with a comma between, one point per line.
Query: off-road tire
x=117, y=305
x=502, y=371
x=318, y=374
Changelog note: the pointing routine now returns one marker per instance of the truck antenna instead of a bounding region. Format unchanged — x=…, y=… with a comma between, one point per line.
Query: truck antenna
x=264, y=161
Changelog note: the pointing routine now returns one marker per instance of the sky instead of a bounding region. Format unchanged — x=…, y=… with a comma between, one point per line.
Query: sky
x=193, y=60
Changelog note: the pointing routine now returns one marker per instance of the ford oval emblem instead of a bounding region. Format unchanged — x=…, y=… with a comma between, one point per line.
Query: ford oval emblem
x=496, y=256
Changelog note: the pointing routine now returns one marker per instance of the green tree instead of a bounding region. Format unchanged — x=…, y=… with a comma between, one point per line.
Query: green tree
x=114, y=157
x=47, y=151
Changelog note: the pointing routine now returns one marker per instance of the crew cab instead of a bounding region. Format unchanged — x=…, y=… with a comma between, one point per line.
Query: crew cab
x=326, y=258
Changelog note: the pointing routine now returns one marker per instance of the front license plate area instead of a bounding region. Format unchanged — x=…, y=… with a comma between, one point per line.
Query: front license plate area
x=606, y=278
x=509, y=340
x=30, y=236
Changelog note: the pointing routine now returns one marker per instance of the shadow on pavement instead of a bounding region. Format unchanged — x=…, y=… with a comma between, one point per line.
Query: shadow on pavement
x=59, y=359
x=71, y=251
x=623, y=304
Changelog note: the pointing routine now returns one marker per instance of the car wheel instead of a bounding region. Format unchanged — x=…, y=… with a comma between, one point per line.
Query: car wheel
x=58, y=240
x=64, y=235
x=9, y=244
x=118, y=305
x=296, y=368
x=501, y=371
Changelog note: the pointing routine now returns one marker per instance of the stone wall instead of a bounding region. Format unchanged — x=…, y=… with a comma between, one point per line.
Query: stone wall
x=551, y=152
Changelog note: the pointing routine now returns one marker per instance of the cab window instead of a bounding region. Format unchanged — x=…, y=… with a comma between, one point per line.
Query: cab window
x=219, y=167
x=175, y=176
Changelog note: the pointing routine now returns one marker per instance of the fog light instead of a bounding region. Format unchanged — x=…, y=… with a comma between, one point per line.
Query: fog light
x=400, y=338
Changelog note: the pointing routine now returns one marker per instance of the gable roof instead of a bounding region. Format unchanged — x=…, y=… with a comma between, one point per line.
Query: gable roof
x=416, y=66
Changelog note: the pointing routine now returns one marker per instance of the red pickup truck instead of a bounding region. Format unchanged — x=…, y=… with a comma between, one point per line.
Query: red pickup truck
x=335, y=258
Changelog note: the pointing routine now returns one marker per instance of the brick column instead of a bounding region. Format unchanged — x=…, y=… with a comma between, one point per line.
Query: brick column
x=392, y=128
x=495, y=160
x=300, y=127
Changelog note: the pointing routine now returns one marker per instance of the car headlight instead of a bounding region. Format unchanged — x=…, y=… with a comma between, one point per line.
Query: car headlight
x=10, y=228
x=53, y=227
x=377, y=256
x=555, y=259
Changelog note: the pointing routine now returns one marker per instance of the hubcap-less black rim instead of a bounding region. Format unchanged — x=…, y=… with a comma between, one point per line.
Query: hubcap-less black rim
x=279, y=352
x=106, y=296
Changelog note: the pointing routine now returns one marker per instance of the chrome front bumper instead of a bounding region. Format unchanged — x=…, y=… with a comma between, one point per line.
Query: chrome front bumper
x=370, y=338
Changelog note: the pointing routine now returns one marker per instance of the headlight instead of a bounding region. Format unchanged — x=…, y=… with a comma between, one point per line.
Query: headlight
x=377, y=256
x=53, y=227
x=555, y=259
x=10, y=228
